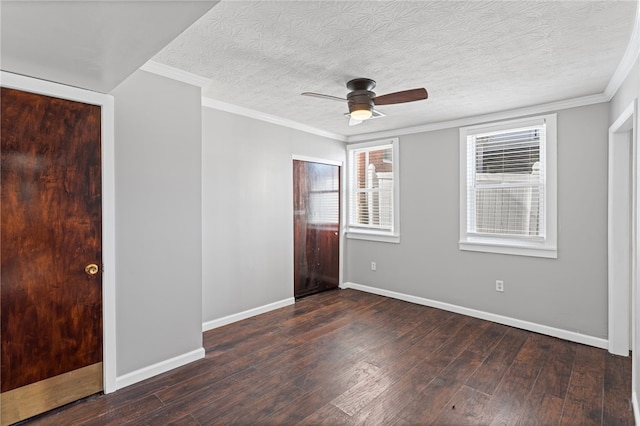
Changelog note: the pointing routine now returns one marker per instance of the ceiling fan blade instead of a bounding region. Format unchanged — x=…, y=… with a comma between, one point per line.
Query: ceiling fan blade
x=401, y=97
x=320, y=95
x=354, y=122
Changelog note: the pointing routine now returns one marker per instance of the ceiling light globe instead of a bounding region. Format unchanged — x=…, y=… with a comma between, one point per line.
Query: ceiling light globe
x=361, y=114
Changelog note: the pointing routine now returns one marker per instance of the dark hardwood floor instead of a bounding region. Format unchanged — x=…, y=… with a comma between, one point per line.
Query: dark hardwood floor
x=345, y=357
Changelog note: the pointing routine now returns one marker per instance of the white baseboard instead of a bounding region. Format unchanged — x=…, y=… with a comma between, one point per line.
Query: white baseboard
x=158, y=368
x=636, y=409
x=513, y=322
x=210, y=325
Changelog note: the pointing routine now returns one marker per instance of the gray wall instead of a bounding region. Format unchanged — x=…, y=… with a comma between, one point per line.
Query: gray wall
x=247, y=204
x=158, y=220
x=568, y=293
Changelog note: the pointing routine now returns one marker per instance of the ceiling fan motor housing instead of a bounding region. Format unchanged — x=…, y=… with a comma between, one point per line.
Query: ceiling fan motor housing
x=360, y=99
x=361, y=95
x=361, y=84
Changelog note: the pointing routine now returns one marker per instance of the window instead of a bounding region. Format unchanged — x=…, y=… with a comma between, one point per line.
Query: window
x=373, y=191
x=508, y=187
x=324, y=194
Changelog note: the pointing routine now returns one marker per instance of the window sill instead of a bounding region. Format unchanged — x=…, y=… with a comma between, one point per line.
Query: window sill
x=508, y=247
x=373, y=236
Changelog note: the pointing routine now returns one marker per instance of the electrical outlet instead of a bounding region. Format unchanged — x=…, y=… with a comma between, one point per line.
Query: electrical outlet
x=499, y=285
x=373, y=266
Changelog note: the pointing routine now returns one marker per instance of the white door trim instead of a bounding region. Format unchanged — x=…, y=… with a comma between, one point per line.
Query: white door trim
x=622, y=226
x=317, y=160
x=28, y=84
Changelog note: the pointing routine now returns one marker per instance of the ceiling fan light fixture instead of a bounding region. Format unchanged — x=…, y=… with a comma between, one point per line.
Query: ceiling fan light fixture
x=361, y=112
x=360, y=104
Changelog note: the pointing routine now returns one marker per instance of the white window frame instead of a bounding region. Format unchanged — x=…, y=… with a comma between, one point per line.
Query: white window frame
x=541, y=247
x=357, y=232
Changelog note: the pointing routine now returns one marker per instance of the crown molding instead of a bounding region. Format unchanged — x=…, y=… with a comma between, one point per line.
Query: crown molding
x=628, y=59
x=486, y=118
x=175, y=73
x=465, y=121
x=251, y=113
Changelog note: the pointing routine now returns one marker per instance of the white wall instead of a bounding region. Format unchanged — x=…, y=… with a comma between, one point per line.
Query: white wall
x=247, y=205
x=569, y=293
x=158, y=221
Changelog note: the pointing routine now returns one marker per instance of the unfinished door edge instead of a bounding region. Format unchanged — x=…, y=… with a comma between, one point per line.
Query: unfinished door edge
x=47, y=88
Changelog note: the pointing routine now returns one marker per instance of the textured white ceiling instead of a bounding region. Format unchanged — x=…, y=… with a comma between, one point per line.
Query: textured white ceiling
x=474, y=57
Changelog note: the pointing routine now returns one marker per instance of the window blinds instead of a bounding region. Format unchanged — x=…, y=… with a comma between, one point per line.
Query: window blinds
x=324, y=194
x=506, y=183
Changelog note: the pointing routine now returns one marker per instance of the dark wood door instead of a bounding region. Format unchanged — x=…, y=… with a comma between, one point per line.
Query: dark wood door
x=51, y=253
x=316, y=241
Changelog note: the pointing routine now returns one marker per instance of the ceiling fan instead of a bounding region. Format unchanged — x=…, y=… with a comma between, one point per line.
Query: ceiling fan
x=361, y=99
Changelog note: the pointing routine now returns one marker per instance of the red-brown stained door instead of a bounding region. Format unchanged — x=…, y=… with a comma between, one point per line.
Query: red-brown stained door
x=316, y=241
x=50, y=211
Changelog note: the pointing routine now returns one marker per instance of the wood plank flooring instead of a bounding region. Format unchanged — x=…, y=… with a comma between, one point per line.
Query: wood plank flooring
x=347, y=358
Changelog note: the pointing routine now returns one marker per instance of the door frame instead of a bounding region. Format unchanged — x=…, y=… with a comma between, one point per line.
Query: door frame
x=622, y=231
x=342, y=210
x=106, y=102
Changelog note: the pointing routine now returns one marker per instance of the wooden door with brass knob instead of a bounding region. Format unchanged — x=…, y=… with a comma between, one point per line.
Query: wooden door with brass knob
x=51, y=253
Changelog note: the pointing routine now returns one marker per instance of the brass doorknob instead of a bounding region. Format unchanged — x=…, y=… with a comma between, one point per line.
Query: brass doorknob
x=91, y=269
